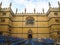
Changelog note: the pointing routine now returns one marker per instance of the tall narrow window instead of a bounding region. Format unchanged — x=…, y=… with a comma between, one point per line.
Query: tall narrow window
x=30, y=20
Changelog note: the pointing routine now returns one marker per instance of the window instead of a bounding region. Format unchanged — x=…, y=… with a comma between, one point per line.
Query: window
x=2, y=20
x=58, y=32
x=4, y=14
x=56, y=13
x=9, y=30
x=57, y=20
x=30, y=20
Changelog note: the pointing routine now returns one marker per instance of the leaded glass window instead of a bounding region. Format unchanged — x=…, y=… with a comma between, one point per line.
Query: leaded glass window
x=30, y=20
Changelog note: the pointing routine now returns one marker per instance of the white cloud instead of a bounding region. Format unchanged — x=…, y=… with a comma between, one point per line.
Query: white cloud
x=5, y=3
x=0, y=0
x=30, y=6
x=19, y=1
x=58, y=0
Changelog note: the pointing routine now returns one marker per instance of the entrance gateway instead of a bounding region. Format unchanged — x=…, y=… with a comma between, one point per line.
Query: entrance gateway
x=29, y=34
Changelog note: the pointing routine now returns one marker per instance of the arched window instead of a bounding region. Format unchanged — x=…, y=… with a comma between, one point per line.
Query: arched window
x=30, y=20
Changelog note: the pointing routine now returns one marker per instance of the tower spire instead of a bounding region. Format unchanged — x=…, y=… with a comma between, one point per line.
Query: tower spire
x=49, y=5
x=0, y=4
x=16, y=10
x=10, y=5
x=25, y=10
x=34, y=10
x=43, y=10
x=59, y=4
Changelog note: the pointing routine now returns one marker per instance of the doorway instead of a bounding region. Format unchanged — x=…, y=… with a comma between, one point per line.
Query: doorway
x=29, y=36
x=1, y=33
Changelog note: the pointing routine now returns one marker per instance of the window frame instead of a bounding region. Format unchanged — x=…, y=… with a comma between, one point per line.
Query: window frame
x=4, y=14
x=29, y=21
x=57, y=20
x=2, y=20
x=56, y=13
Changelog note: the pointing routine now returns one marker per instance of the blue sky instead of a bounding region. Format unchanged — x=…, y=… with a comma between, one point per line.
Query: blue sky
x=29, y=5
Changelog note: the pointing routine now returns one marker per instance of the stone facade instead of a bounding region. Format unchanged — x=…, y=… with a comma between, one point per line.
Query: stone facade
x=33, y=25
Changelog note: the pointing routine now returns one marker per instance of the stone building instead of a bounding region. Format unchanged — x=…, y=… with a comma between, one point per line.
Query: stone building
x=30, y=25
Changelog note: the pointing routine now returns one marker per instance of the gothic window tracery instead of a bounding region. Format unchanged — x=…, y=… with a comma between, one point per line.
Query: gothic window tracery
x=30, y=20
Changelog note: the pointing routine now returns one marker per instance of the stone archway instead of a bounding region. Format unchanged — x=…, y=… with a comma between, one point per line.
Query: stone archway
x=29, y=34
